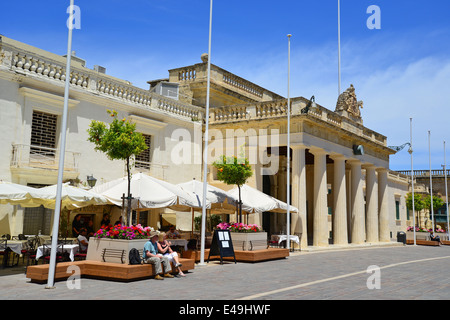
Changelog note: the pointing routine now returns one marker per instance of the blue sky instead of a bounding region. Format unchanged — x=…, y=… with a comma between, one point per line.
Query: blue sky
x=400, y=71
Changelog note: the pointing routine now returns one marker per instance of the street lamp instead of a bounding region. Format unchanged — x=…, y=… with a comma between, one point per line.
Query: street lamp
x=288, y=153
x=91, y=181
x=410, y=151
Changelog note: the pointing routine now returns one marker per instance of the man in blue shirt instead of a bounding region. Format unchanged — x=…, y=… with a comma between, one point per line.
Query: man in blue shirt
x=151, y=255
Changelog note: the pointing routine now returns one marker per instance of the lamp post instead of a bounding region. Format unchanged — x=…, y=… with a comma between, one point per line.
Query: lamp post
x=288, y=152
x=410, y=151
x=431, y=182
x=446, y=193
x=339, y=47
x=205, y=152
x=52, y=265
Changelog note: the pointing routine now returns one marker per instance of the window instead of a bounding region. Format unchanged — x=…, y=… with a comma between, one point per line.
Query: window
x=43, y=134
x=143, y=160
x=37, y=219
x=397, y=209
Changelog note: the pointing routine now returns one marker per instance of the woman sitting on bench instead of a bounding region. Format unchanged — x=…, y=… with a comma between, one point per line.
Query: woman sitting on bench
x=164, y=249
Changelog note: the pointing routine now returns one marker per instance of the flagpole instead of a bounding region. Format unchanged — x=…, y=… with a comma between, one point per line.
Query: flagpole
x=288, y=152
x=446, y=193
x=339, y=46
x=431, y=182
x=52, y=266
x=205, y=152
x=412, y=181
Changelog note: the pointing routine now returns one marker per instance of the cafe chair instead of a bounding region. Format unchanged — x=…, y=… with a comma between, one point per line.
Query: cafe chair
x=81, y=255
x=47, y=253
x=3, y=252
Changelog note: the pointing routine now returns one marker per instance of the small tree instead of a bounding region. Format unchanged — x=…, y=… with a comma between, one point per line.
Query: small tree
x=418, y=203
x=234, y=171
x=437, y=203
x=119, y=142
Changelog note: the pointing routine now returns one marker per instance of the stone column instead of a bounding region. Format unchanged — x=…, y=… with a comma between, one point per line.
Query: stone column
x=299, y=194
x=340, y=232
x=320, y=199
x=371, y=204
x=383, y=205
x=357, y=196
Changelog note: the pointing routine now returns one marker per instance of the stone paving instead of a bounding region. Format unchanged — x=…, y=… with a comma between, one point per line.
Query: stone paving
x=405, y=273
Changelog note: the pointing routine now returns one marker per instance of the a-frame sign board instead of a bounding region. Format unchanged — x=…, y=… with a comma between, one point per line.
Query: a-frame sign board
x=222, y=245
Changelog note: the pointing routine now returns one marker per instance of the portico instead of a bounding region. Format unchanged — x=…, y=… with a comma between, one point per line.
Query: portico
x=338, y=179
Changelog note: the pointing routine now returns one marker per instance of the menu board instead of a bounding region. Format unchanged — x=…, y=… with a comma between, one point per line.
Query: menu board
x=222, y=245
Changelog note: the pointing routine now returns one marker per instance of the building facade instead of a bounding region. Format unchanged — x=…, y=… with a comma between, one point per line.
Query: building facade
x=340, y=177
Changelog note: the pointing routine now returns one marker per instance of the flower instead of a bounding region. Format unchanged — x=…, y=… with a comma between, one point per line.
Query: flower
x=239, y=227
x=124, y=232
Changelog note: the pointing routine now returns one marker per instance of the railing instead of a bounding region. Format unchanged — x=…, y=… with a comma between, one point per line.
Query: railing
x=198, y=72
x=242, y=84
x=425, y=173
x=53, y=68
x=29, y=156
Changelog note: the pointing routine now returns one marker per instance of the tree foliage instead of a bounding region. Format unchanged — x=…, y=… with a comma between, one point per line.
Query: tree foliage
x=119, y=141
x=419, y=205
x=234, y=171
x=437, y=203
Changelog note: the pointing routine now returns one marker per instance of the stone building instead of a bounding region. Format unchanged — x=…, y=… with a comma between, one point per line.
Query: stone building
x=340, y=177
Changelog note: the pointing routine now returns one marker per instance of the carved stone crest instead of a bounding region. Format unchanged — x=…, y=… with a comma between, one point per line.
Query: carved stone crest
x=349, y=105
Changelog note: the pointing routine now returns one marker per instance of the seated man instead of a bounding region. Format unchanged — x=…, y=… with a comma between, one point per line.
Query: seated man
x=435, y=238
x=82, y=240
x=151, y=255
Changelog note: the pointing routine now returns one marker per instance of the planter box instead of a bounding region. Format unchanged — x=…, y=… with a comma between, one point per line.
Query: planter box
x=419, y=235
x=241, y=241
x=96, y=247
x=424, y=235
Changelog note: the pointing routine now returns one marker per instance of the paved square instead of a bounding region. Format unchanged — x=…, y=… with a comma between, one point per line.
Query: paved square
x=405, y=273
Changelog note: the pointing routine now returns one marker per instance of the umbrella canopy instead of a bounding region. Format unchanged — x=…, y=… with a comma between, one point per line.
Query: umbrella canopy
x=220, y=200
x=148, y=192
x=71, y=197
x=13, y=193
x=255, y=201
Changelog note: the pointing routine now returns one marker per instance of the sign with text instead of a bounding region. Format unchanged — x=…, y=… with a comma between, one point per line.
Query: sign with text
x=222, y=245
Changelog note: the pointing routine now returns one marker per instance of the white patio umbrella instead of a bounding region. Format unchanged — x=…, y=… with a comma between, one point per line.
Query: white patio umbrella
x=13, y=193
x=148, y=192
x=219, y=200
x=71, y=197
x=255, y=201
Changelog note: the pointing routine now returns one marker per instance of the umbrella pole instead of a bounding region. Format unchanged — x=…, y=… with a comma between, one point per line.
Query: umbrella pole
x=192, y=224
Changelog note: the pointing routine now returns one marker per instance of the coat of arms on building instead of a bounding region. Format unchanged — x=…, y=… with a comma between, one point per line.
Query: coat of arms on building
x=348, y=105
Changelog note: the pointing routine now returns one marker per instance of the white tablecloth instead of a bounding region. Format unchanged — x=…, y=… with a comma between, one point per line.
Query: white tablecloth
x=71, y=248
x=283, y=237
x=15, y=246
x=179, y=242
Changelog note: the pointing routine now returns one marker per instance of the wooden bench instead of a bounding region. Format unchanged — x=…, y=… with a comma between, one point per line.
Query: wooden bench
x=113, y=253
x=258, y=243
x=243, y=256
x=424, y=243
x=101, y=270
x=446, y=242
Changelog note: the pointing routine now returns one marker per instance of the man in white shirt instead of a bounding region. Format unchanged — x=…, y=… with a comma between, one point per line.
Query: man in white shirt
x=82, y=240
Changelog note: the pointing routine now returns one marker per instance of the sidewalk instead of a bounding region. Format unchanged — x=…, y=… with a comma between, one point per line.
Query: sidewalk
x=407, y=272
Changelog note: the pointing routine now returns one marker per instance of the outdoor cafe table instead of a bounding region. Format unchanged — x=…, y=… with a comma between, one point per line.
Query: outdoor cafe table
x=16, y=246
x=179, y=242
x=12, y=246
x=283, y=237
x=71, y=248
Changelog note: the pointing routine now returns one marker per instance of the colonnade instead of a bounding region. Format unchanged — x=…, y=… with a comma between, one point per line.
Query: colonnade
x=355, y=220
